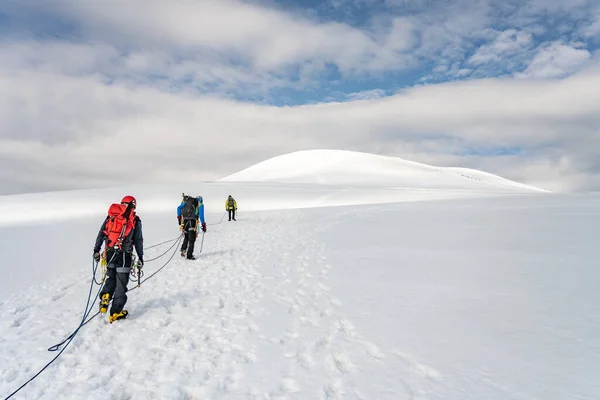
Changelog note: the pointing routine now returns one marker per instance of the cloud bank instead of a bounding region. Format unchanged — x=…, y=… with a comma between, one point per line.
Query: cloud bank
x=145, y=92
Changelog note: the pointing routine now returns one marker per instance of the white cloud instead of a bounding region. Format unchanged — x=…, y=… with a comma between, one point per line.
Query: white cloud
x=228, y=47
x=556, y=60
x=56, y=129
x=266, y=38
x=61, y=57
x=508, y=43
x=450, y=32
x=223, y=45
x=556, y=5
x=593, y=29
x=127, y=93
x=367, y=95
x=141, y=67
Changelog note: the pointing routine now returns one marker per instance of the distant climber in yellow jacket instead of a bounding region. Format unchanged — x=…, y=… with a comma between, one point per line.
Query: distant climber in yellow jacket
x=231, y=207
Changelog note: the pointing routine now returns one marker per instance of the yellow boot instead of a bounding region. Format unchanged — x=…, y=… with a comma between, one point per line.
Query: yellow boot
x=104, y=302
x=116, y=316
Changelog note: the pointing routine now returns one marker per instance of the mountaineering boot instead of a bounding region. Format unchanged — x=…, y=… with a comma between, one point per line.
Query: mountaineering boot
x=191, y=258
x=116, y=316
x=183, y=253
x=104, y=302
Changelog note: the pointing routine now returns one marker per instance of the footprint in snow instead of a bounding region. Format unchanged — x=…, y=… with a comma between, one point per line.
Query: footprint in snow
x=162, y=322
x=10, y=375
x=374, y=351
x=345, y=327
x=326, y=312
x=293, y=308
x=306, y=321
x=324, y=287
x=58, y=296
x=20, y=309
x=335, y=301
x=288, y=385
x=420, y=369
x=18, y=321
x=323, y=342
x=304, y=358
x=334, y=390
x=62, y=289
x=342, y=362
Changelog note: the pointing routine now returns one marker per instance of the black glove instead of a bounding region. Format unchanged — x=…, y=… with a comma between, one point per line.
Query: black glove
x=96, y=256
x=140, y=264
x=179, y=219
x=204, y=227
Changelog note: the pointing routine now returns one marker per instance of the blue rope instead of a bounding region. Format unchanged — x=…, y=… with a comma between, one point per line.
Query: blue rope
x=57, y=346
x=86, y=313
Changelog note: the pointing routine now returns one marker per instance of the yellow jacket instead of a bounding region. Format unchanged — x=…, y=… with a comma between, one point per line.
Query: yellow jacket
x=228, y=207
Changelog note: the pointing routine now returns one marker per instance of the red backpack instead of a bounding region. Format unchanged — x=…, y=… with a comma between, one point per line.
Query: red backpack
x=120, y=222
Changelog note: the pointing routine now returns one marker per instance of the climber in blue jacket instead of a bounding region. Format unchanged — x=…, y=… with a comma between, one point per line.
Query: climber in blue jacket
x=189, y=212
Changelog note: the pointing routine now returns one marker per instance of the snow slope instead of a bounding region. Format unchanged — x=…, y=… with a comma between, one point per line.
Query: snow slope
x=75, y=216
x=473, y=294
x=341, y=167
x=488, y=298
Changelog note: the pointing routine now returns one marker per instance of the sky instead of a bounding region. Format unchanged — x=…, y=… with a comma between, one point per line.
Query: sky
x=96, y=94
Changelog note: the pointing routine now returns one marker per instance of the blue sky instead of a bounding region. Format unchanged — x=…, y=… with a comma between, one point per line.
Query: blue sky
x=437, y=41
x=278, y=76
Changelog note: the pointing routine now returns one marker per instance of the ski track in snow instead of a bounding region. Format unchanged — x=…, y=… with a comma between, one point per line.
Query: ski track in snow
x=255, y=301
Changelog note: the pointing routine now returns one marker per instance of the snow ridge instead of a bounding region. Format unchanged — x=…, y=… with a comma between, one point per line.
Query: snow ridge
x=342, y=167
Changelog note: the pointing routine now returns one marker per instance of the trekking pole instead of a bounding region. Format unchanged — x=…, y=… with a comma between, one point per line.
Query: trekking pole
x=139, y=275
x=202, y=242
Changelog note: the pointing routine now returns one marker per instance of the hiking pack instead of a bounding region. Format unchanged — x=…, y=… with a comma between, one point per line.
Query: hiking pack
x=189, y=208
x=120, y=222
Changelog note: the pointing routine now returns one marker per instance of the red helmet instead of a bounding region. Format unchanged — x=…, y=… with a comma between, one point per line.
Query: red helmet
x=129, y=199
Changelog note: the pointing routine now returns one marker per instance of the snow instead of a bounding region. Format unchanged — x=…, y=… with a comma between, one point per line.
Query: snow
x=318, y=291
x=304, y=179
x=343, y=167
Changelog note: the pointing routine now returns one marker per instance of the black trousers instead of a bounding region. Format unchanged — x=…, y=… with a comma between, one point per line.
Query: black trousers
x=189, y=236
x=231, y=214
x=117, y=278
